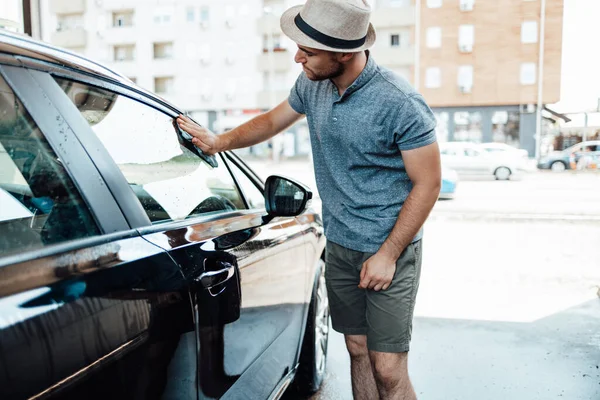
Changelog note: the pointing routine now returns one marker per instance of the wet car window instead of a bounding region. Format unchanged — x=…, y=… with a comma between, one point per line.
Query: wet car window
x=254, y=195
x=171, y=182
x=39, y=204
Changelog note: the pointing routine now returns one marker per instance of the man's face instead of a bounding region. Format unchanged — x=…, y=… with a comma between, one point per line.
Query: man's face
x=319, y=64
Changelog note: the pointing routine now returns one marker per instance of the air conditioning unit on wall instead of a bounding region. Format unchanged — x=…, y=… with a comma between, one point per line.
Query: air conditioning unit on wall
x=466, y=6
x=465, y=48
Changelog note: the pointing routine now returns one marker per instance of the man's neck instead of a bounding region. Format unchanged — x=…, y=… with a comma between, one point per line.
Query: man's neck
x=354, y=69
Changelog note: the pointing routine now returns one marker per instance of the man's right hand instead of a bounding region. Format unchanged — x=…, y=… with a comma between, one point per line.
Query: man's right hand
x=204, y=139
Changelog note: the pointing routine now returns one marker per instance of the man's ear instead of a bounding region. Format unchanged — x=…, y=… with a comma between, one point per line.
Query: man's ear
x=345, y=57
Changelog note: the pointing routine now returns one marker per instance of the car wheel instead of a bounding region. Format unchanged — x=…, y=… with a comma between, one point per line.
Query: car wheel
x=558, y=166
x=502, y=173
x=313, y=356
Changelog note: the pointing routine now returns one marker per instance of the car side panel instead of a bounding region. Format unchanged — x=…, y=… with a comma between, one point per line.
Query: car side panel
x=108, y=320
x=251, y=351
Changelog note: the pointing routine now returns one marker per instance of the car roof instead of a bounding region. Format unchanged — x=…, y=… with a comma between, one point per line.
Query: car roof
x=24, y=47
x=495, y=144
x=459, y=144
x=586, y=143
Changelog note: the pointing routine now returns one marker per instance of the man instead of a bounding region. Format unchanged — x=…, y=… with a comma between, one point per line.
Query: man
x=377, y=168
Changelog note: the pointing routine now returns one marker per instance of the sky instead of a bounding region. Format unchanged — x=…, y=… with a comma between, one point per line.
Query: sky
x=580, y=80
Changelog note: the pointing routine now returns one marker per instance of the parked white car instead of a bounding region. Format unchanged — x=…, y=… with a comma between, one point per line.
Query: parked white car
x=471, y=159
x=505, y=149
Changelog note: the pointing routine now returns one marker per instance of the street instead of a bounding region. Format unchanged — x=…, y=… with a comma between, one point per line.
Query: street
x=508, y=305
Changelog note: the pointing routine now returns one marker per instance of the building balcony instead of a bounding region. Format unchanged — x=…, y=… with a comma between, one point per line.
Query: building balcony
x=69, y=38
x=67, y=6
x=268, y=24
x=390, y=17
x=266, y=99
x=281, y=61
x=394, y=57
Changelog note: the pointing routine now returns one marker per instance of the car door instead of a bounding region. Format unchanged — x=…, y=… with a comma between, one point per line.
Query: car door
x=251, y=298
x=454, y=158
x=88, y=308
x=479, y=162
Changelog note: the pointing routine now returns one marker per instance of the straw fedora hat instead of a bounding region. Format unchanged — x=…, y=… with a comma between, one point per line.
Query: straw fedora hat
x=333, y=25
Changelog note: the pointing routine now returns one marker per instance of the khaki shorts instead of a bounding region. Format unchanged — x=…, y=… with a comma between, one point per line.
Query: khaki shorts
x=385, y=317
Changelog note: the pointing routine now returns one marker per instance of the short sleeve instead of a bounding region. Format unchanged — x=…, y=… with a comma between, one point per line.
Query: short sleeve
x=295, y=98
x=415, y=124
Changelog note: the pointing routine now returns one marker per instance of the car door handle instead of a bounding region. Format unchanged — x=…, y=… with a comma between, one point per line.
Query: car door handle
x=211, y=279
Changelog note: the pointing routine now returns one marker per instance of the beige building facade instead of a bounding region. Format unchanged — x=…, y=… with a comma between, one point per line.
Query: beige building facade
x=482, y=67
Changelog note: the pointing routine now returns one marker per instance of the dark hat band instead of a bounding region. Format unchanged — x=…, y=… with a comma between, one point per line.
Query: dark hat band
x=326, y=39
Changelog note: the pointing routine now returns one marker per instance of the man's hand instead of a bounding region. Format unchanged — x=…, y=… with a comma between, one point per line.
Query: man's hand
x=204, y=139
x=377, y=272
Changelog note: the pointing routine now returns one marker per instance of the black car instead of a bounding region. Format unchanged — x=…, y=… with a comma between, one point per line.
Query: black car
x=132, y=265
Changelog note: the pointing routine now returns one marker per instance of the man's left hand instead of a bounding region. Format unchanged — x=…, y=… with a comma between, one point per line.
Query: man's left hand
x=377, y=272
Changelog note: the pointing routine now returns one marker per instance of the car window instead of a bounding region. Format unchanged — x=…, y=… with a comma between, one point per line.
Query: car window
x=39, y=204
x=254, y=195
x=171, y=182
x=449, y=152
x=472, y=153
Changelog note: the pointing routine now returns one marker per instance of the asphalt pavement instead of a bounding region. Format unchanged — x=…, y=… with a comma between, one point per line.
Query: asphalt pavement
x=508, y=306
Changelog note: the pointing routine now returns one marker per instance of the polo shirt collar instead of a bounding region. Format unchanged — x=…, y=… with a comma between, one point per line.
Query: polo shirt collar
x=365, y=76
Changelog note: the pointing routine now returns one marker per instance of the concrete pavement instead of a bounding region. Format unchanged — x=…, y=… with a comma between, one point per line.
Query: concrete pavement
x=508, y=305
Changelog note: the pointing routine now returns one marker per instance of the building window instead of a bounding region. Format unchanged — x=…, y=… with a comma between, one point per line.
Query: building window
x=163, y=15
x=399, y=3
x=190, y=14
x=465, y=78
x=163, y=50
x=466, y=5
x=69, y=22
x=205, y=53
x=434, y=3
x=230, y=16
x=433, y=78
x=528, y=74
x=204, y=16
x=122, y=18
x=124, y=53
x=529, y=32
x=468, y=127
x=277, y=46
x=395, y=40
x=466, y=38
x=434, y=37
x=230, y=89
x=163, y=85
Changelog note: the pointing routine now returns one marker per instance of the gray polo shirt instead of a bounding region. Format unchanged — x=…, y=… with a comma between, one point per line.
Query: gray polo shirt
x=357, y=142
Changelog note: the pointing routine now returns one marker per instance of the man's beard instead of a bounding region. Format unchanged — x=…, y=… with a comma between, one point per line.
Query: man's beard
x=333, y=72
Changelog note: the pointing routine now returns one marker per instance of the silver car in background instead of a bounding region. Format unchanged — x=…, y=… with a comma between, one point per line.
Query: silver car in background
x=471, y=159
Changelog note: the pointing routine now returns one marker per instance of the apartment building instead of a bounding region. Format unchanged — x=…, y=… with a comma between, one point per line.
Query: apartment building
x=201, y=55
x=479, y=67
x=395, y=22
x=477, y=62
x=14, y=12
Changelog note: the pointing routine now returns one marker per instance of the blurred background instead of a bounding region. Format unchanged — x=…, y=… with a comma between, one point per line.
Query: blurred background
x=518, y=72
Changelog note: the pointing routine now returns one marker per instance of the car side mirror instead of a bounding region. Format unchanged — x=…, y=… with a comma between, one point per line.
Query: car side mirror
x=285, y=197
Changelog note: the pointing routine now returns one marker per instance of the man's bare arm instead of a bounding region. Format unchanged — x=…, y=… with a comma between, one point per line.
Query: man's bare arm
x=424, y=169
x=255, y=131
